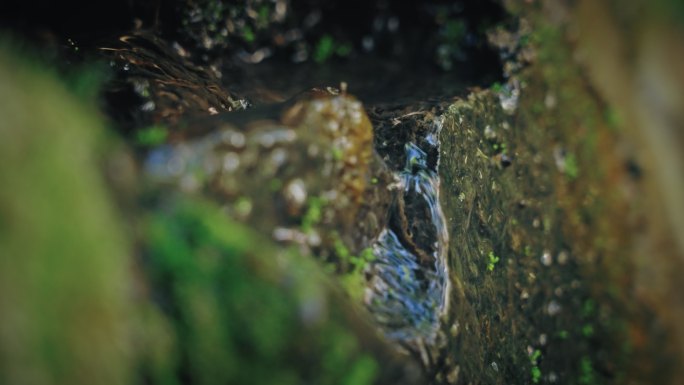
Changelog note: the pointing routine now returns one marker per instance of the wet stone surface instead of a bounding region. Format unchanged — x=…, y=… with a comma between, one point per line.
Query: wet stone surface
x=318, y=156
x=300, y=174
x=445, y=213
x=361, y=188
x=450, y=167
x=306, y=172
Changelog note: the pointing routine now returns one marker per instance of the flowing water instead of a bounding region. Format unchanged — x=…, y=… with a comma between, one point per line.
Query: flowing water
x=407, y=282
x=408, y=286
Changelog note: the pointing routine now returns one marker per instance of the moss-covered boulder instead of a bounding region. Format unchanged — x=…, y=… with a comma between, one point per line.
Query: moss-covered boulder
x=64, y=279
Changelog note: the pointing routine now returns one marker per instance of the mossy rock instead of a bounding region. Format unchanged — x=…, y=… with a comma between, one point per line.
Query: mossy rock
x=243, y=311
x=64, y=280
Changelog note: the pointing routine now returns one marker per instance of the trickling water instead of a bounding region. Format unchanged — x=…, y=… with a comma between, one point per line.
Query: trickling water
x=407, y=282
x=408, y=286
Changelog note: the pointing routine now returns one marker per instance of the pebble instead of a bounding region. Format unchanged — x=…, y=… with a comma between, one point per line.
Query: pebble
x=553, y=308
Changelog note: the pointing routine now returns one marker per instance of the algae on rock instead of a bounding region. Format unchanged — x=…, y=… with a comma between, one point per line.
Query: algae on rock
x=64, y=280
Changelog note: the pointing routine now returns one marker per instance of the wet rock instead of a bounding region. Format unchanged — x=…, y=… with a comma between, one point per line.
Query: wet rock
x=307, y=164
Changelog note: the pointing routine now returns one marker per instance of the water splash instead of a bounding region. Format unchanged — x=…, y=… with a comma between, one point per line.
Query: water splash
x=407, y=292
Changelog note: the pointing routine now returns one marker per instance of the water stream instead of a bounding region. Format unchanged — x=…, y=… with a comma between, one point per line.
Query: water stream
x=408, y=283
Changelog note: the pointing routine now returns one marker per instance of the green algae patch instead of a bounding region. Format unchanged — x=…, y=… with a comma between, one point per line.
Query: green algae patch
x=243, y=310
x=64, y=282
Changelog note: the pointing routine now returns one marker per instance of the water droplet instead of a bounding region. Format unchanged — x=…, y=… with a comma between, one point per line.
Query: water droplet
x=393, y=24
x=295, y=195
x=524, y=295
x=231, y=161
x=368, y=43
x=149, y=106
x=553, y=377
x=553, y=308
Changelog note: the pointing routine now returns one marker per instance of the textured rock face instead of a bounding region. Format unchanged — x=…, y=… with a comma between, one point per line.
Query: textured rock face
x=272, y=167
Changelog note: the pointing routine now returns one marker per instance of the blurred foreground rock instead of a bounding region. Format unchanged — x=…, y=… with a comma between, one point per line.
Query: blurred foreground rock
x=204, y=300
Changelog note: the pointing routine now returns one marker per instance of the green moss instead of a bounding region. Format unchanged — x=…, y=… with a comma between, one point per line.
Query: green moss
x=535, y=356
x=613, y=118
x=264, y=14
x=492, y=261
x=243, y=206
x=313, y=214
x=454, y=30
x=363, y=372
x=86, y=81
x=151, y=136
x=535, y=374
x=324, y=49
x=343, y=50
x=248, y=34
x=237, y=315
x=337, y=153
x=588, y=308
x=275, y=184
x=571, y=166
x=64, y=271
x=586, y=369
x=350, y=267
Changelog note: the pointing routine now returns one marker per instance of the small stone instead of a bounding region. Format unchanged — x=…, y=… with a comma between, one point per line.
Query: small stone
x=524, y=295
x=489, y=133
x=543, y=339
x=243, y=207
x=550, y=100
x=553, y=308
x=455, y=329
x=546, y=259
x=295, y=195
x=506, y=160
x=189, y=183
x=563, y=257
x=553, y=377
x=231, y=162
x=452, y=377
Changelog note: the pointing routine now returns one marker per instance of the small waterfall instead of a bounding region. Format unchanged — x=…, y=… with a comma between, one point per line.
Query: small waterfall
x=408, y=290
